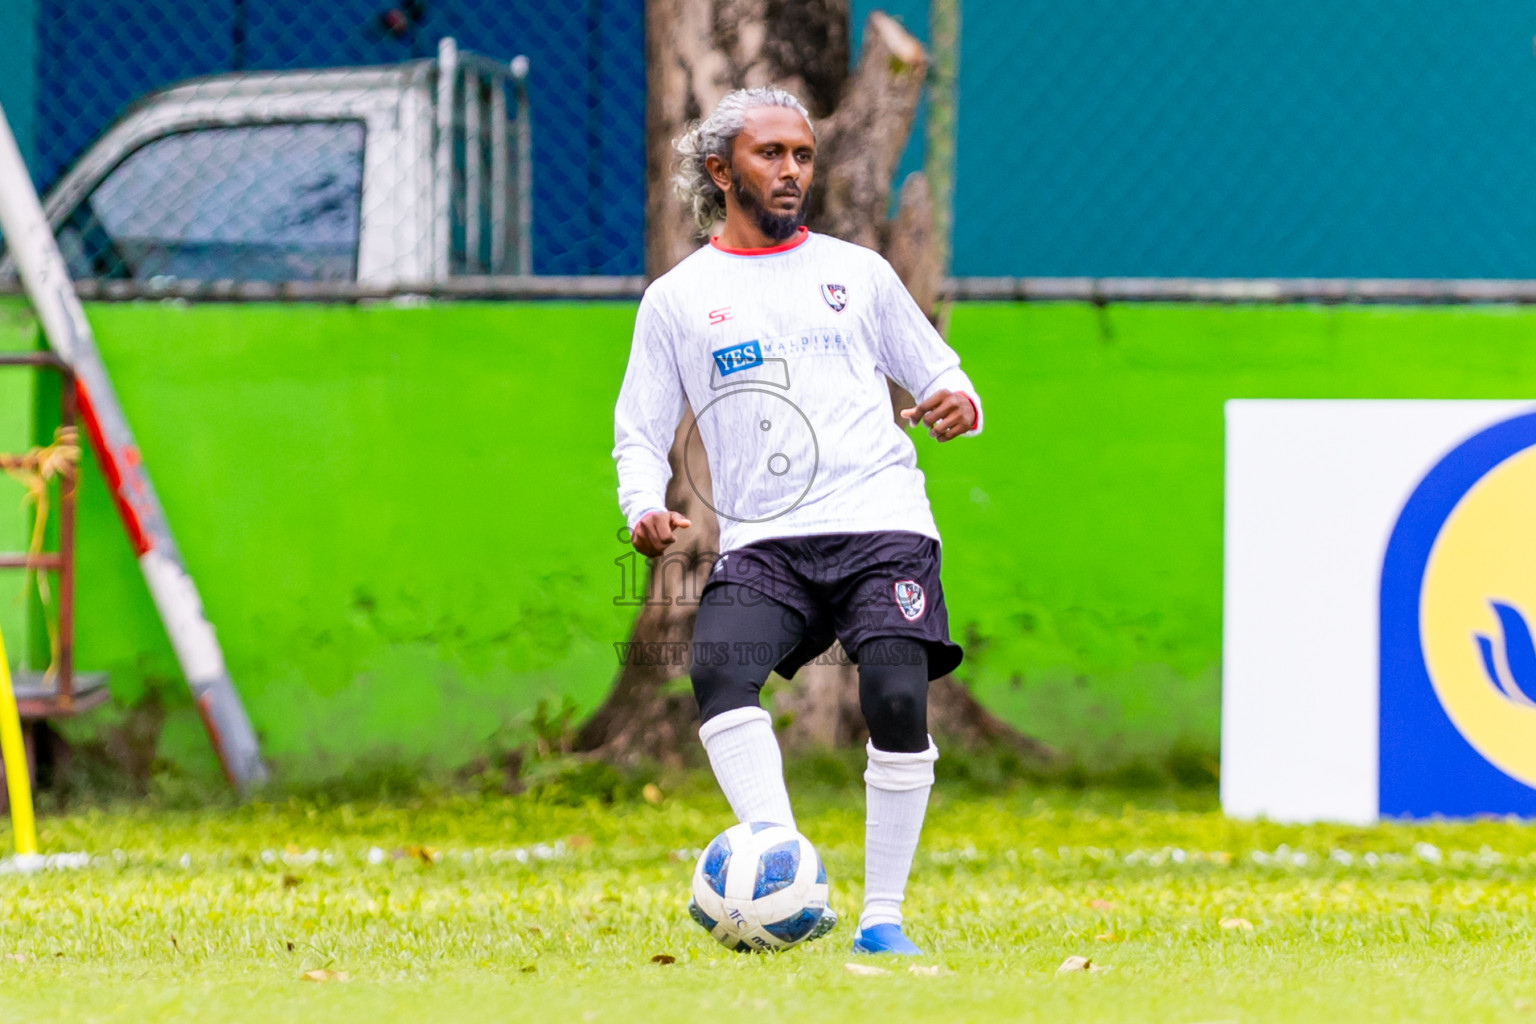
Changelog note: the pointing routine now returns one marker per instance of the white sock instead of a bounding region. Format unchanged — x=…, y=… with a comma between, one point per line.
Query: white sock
x=896, y=793
x=748, y=765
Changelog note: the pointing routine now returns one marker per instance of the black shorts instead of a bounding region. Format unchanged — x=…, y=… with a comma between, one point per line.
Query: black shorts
x=851, y=587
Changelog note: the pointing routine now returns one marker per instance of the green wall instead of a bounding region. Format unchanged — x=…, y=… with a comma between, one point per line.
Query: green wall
x=403, y=521
x=1083, y=528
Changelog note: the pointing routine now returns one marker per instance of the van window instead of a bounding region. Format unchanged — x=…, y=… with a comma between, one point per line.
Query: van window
x=275, y=202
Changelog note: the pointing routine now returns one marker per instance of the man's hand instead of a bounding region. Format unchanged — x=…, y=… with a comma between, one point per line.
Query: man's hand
x=653, y=533
x=947, y=414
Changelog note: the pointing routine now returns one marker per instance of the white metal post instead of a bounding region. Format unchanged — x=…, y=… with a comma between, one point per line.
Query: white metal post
x=472, y=168
x=46, y=279
x=447, y=83
x=524, y=168
x=499, y=182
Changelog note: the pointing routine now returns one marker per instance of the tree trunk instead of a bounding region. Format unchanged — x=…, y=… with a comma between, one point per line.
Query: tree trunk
x=696, y=52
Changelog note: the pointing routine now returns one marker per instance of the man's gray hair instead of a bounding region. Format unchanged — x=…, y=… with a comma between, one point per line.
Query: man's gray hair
x=714, y=136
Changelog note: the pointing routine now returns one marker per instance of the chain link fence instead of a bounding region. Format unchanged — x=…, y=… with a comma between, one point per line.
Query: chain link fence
x=1277, y=138
x=280, y=140
x=1127, y=139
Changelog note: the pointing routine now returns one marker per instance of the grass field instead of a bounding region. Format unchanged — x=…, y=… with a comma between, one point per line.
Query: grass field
x=492, y=909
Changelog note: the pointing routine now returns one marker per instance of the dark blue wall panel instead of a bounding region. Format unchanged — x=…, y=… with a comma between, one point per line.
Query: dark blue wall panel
x=586, y=87
x=1100, y=137
x=94, y=57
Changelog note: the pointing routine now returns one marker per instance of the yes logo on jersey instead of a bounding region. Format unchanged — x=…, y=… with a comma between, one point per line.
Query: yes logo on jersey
x=738, y=357
x=836, y=296
x=1458, y=663
x=909, y=598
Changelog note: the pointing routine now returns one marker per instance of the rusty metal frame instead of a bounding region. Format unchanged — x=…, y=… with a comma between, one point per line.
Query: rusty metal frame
x=63, y=702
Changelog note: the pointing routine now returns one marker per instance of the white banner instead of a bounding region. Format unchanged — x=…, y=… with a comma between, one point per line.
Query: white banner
x=1372, y=648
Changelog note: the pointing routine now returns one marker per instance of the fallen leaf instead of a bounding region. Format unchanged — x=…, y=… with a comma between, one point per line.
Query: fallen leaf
x=528, y=968
x=1104, y=937
x=652, y=793
x=1101, y=905
x=425, y=854
x=289, y=881
x=932, y=971
x=663, y=958
x=1238, y=923
x=576, y=842
x=1222, y=857
x=1077, y=963
x=864, y=970
x=290, y=947
x=325, y=975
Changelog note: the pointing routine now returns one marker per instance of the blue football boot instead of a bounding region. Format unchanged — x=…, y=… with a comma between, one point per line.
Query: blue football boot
x=884, y=938
x=826, y=924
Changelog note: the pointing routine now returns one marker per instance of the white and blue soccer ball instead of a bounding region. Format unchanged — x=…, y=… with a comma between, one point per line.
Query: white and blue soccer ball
x=759, y=887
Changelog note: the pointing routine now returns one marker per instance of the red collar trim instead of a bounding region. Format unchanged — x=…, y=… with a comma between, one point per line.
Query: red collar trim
x=800, y=236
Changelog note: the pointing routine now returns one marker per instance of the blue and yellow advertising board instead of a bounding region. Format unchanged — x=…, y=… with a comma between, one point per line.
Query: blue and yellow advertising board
x=1458, y=664
x=1380, y=603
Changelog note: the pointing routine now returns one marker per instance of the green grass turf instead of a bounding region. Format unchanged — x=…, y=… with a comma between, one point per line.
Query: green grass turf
x=213, y=915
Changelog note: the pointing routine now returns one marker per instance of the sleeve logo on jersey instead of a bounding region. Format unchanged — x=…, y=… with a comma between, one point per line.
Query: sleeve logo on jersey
x=909, y=598
x=836, y=296
x=738, y=357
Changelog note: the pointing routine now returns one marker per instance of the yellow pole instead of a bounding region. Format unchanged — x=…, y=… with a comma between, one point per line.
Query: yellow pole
x=14, y=751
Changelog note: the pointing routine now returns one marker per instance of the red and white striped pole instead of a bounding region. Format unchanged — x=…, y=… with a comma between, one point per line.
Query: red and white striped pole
x=36, y=253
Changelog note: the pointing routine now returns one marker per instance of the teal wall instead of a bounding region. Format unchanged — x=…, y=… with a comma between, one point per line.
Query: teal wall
x=1099, y=137
x=1290, y=138
x=18, y=70
x=403, y=520
x=1287, y=138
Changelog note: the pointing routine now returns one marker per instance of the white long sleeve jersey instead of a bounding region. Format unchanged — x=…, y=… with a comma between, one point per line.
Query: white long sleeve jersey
x=782, y=354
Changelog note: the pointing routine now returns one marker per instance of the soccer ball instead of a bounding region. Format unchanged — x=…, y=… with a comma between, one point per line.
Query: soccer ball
x=759, y=887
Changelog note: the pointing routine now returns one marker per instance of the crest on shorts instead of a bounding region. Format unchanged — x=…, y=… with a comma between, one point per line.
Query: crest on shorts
x=836, y=296
x=909, y=598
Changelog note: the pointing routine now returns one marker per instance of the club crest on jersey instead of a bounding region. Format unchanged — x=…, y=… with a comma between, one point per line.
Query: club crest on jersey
x=909, y=598
x=836, y=296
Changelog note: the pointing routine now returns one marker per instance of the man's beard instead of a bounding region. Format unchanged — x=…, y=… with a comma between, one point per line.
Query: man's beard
x=777, y=226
